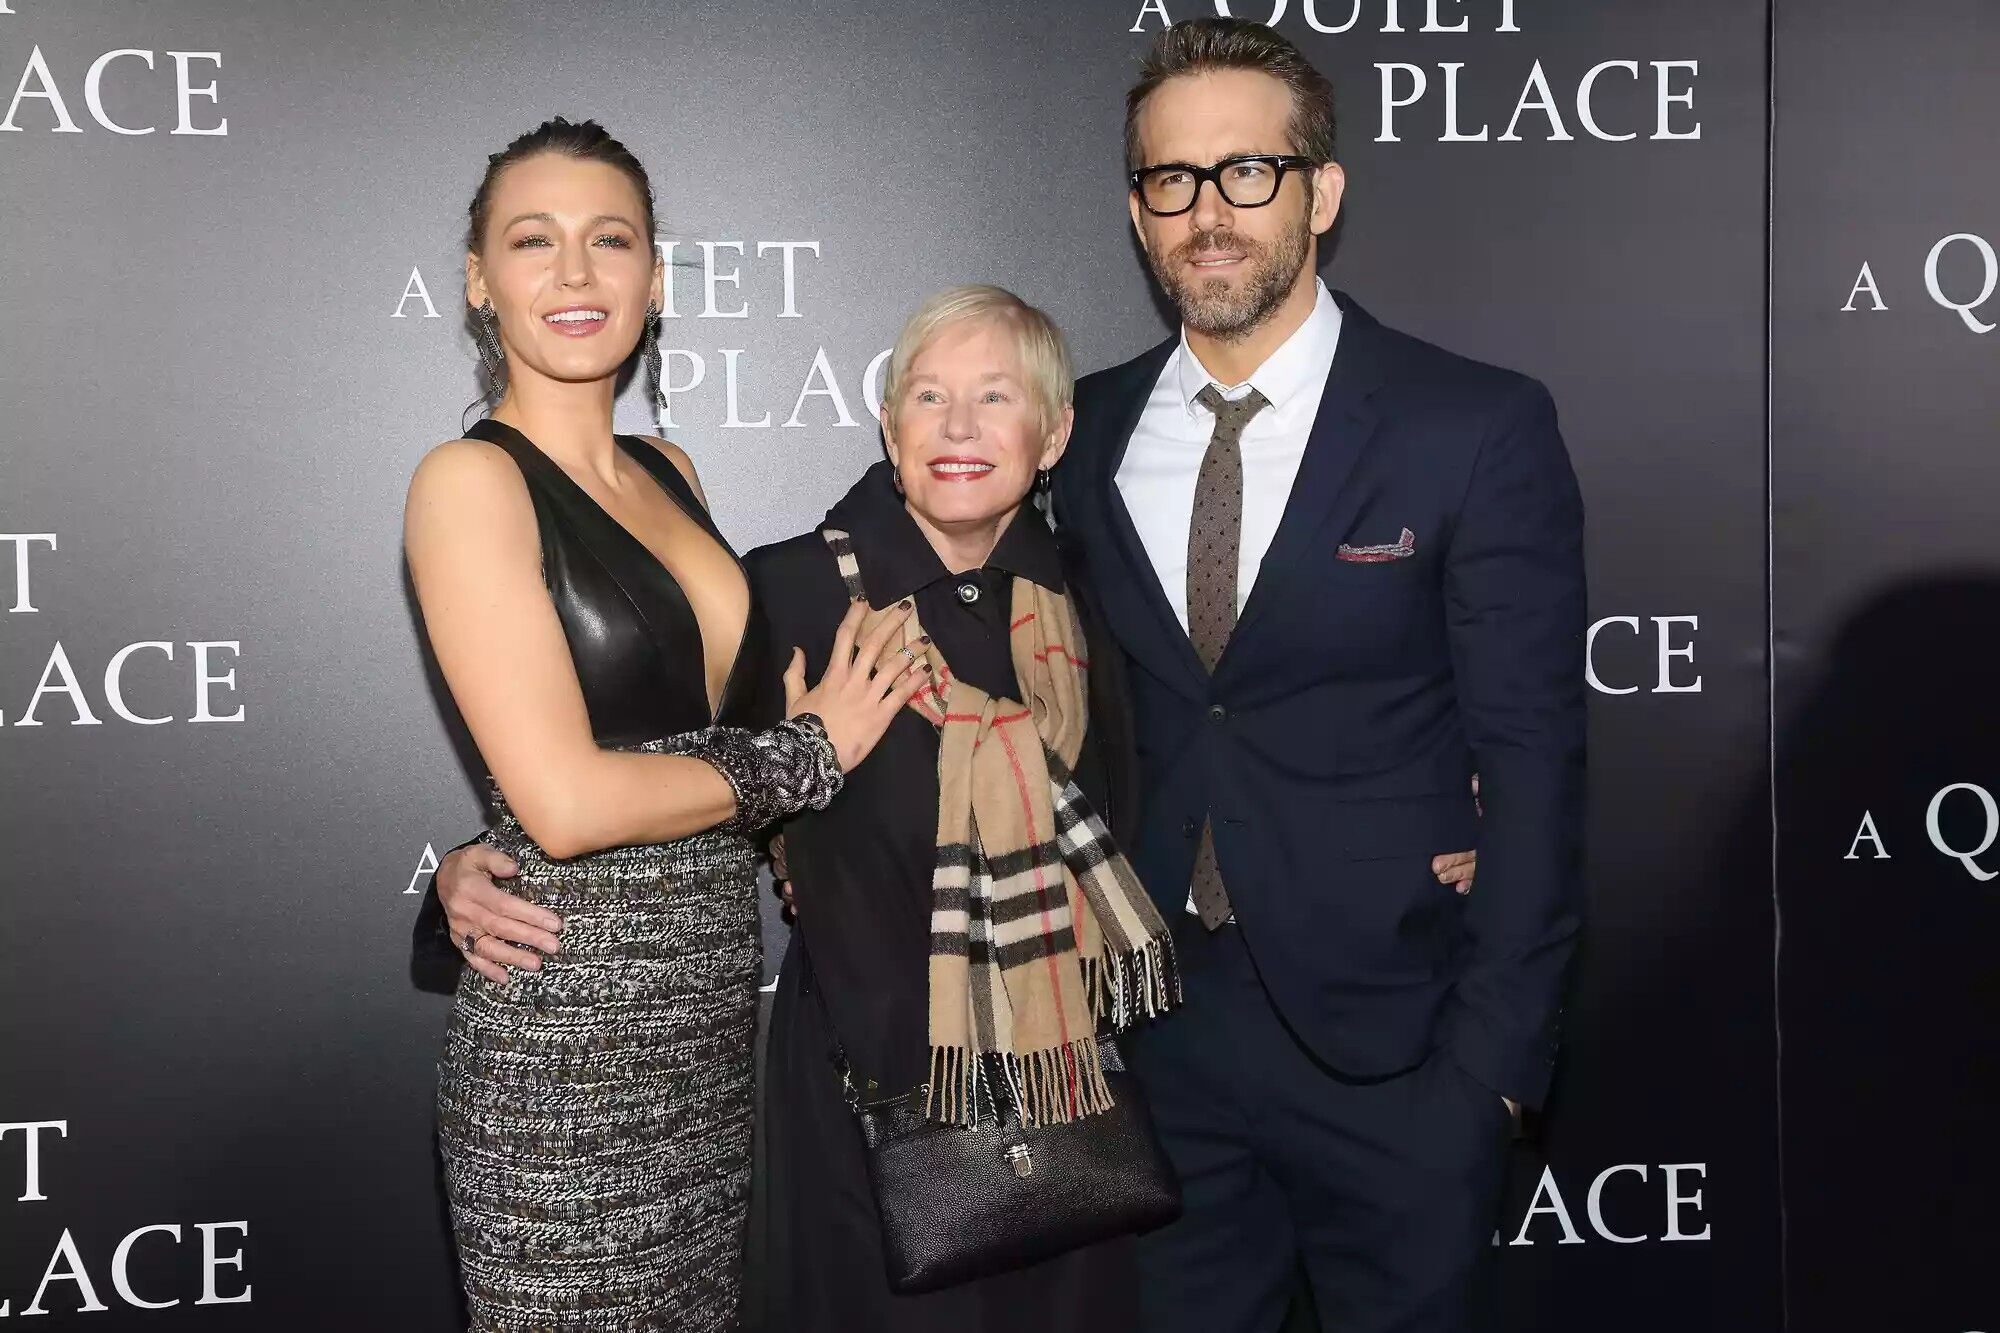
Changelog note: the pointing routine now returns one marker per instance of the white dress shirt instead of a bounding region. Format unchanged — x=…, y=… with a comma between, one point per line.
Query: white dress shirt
x=1157, y=475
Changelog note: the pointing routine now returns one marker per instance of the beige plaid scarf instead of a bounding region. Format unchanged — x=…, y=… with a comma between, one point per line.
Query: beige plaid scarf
x=1039, y=928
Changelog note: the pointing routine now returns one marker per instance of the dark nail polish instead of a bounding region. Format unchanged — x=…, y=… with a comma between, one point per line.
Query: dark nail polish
x=905, y=603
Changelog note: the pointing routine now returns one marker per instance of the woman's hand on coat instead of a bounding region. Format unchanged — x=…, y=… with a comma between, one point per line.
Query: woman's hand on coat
x=866, y=684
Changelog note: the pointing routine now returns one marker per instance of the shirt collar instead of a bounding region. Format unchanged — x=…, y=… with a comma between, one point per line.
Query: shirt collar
x=1299, y=365
x=897, y=559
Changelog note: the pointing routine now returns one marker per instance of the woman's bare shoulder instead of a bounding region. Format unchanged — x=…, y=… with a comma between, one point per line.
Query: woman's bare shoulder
x=464, y=469
x=469, y=486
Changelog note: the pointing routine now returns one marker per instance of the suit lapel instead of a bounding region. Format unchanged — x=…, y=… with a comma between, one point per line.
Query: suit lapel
x=1165, y=646
x=1340, y=433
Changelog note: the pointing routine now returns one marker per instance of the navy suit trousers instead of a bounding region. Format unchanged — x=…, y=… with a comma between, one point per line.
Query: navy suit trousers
x=1383, y=1191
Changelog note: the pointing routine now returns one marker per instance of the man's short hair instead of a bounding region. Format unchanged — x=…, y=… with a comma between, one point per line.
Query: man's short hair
x=1045, y=360
x=1199, y=46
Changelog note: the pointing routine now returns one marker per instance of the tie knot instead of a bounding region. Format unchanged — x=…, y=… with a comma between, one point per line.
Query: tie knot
x=1231, y=413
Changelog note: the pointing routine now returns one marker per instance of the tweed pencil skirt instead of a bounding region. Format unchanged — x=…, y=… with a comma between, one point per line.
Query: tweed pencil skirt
x=595, y=1117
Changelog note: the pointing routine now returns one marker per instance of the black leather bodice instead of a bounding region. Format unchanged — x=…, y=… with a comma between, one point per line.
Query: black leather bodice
x=635, y=640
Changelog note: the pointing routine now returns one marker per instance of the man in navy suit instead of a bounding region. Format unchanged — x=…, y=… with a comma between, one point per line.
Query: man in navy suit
x=1345, y=569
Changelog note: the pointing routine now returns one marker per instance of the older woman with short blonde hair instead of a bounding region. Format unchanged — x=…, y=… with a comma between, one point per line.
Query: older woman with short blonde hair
x=1040, y=350
x=976, y=410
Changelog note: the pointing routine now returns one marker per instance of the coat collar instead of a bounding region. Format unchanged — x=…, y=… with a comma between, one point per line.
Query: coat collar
x=897, y=559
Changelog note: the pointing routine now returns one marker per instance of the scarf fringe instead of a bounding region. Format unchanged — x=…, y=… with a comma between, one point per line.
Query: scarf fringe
x=1141, y=982
x=1119, y=987
x=1046, y=1087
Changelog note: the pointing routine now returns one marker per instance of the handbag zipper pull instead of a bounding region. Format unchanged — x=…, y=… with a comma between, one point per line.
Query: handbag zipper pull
x=1022, y=1160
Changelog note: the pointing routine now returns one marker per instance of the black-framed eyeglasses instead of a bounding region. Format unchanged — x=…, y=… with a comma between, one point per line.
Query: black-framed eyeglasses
x=1247, y=181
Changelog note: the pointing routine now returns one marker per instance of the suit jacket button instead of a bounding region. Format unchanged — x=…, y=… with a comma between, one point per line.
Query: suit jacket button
x=1217, y=713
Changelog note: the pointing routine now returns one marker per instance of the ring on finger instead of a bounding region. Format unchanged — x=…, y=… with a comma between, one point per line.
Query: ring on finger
x=471, y=938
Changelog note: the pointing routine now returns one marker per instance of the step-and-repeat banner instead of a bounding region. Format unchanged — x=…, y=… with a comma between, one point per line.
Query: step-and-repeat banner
x=1885, y=471
x=234, y=320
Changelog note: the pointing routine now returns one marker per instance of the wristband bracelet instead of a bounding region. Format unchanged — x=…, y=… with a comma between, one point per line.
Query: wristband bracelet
x=774, y=773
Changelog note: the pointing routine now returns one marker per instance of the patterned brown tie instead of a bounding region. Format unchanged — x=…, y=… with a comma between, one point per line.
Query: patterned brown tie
x=1215, y=540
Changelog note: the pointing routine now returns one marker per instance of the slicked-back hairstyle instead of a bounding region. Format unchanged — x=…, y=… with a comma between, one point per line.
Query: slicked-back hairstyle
x=1201, y=46
x=583, y=140
x=1045, y=362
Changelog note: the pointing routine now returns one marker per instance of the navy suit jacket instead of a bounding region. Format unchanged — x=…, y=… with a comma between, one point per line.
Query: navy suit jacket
x=1334, y=747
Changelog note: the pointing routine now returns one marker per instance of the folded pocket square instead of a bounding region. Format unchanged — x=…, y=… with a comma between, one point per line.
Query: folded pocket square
x=1401, y=549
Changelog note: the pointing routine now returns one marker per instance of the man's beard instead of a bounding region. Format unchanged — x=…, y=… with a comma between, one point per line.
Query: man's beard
x=1212, y=306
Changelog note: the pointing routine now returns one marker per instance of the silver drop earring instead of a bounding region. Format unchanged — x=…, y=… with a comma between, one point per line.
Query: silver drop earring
x=649, y=343
x=490, y=353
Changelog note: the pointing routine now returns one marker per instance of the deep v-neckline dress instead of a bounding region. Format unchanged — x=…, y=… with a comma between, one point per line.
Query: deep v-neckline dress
x=595, y=1117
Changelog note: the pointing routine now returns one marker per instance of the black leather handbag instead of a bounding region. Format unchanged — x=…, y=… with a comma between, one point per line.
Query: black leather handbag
x=960, y=1202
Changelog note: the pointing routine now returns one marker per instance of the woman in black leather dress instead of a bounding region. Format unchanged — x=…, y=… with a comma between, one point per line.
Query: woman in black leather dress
x=599, y=638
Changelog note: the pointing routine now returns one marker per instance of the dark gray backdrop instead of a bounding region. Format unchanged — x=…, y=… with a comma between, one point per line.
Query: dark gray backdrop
x=219, y=369
x=1887, y=626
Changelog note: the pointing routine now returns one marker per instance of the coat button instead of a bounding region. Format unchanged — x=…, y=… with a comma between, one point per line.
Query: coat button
x=1189, y=828
x=968, y=593
x=1217, y=713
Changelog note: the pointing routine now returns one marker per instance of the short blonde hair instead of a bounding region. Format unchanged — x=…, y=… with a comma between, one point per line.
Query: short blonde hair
x=1045, y=363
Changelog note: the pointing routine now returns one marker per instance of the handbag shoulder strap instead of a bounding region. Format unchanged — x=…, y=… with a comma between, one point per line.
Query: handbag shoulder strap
x=851, y=1089
x=837, y=1054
